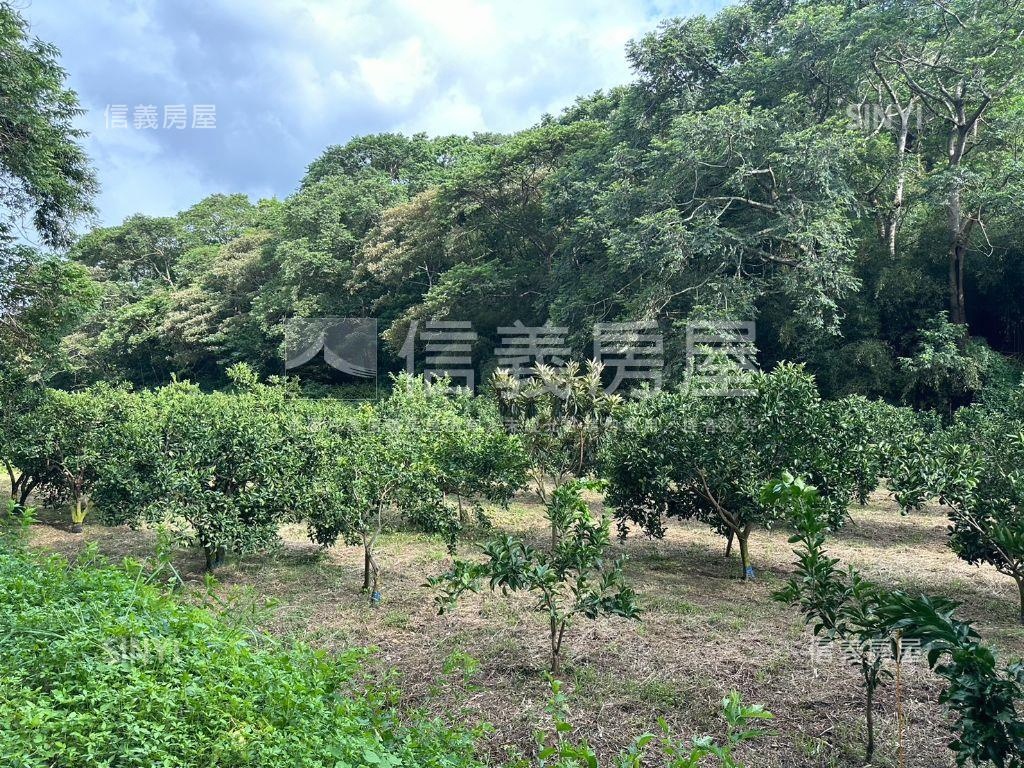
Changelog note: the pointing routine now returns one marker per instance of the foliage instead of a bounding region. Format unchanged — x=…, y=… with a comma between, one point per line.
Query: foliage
x=95, y=660
x=687, y=454
x=22, y=436
x=225, y=469
x=44, y=173
x=844, y=608
x=800, y=164
x=974, y=468
x=77, y=427
x=58, y=441
x=561, y=414
x=947, y=370
x=408, y=456
x=42, y=298
x=572, y=579
x=872, y=437
x=984, y=700
x=559, y=750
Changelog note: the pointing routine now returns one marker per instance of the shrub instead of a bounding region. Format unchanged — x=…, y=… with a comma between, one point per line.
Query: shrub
x=984, y=699
x=21, y=429
x=948, y=368
x=560, y=415
x=573, y=579
x=78, y=431
x=407, y=458
x=101, y=668
x=688, y=455
x=974, y=467
x=224, y=469
x=843, y=607
x=868, y=436
x=55, y=444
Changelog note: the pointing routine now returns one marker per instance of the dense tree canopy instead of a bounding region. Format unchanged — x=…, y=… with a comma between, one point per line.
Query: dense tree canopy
x=840, y=172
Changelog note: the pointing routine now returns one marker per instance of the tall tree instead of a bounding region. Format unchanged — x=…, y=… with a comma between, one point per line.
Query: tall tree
x=44, y=173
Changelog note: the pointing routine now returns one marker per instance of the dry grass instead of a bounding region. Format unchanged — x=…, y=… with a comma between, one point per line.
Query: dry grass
x=703, y=633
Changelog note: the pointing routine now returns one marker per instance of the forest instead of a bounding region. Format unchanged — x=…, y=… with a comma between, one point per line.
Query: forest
x=210, y=556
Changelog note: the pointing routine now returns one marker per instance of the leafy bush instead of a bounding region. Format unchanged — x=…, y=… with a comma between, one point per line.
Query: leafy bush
x=984, y=699
x=224, y=468
x=572, y=579
x=690, y=455
x=949, y=369
x=20, y=443
x=103, y=669
x=78, y=432
x=409, y=457
x=870, y=436
x=561, y=415
x=56, y=443
x=974, y=467
x=843, y=607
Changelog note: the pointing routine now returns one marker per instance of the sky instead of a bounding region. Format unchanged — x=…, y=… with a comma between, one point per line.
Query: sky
x=278, y=81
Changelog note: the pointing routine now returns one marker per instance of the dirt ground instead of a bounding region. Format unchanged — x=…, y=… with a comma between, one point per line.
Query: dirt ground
x=703, y=633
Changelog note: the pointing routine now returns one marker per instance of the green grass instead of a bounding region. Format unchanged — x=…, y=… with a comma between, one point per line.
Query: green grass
x=102, y=669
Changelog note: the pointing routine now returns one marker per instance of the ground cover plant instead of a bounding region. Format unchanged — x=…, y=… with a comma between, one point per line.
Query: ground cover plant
x=101, y=668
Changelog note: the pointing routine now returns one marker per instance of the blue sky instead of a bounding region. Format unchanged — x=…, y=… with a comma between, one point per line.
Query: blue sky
x=288, y=78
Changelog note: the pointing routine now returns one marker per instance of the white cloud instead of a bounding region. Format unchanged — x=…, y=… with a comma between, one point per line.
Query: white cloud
x=399, y=75
x=450, y=113
x=290, y=77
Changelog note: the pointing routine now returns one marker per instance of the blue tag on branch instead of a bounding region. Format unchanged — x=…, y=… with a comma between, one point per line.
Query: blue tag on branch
x=750, y=571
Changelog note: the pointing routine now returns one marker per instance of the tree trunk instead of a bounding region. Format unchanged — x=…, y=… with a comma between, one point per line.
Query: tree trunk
x=1020, y=591
x=959, y=233
x=366, y=564
x=957, y=297
x=728, y=544
x=25, y=487
x=214, y=556
x=870, y=713
x=374, y=582
x=77, y=520
x=14, y=481
x=556, y=647
x=743, y=537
